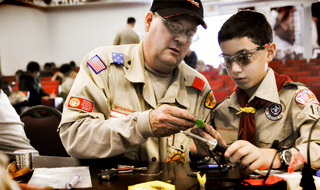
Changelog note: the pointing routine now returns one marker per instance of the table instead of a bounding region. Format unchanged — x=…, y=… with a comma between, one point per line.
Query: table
x=176, y=174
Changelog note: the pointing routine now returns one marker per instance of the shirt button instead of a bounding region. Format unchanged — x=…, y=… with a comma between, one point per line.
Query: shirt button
x=153, y=159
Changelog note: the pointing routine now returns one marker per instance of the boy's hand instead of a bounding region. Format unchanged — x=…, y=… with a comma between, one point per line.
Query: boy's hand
x=251, y=157
x=166, y=120
x=200, y=148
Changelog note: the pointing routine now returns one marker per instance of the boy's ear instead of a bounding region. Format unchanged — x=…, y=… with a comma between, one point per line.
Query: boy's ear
x=271, y=51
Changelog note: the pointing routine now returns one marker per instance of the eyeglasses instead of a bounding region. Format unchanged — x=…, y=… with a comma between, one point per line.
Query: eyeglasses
x=242, y=58
x=176, y=28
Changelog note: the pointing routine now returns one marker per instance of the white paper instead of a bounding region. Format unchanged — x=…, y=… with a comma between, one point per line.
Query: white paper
x=57, y=178
x=293, y=179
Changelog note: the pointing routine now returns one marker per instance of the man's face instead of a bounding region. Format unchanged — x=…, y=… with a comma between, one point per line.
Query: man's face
x=163, y=48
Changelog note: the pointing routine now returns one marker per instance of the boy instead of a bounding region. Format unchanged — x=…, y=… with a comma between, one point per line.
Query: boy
x=268, y=115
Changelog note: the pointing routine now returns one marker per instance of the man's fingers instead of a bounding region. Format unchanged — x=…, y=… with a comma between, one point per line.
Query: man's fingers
x=180, y=113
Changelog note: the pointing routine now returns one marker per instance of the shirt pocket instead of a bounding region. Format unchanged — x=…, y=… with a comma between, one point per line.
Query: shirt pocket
x=277, y=130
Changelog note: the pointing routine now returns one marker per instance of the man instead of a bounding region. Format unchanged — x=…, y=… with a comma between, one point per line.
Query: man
x=133, y=100
x=127, y=35
x=267, y=120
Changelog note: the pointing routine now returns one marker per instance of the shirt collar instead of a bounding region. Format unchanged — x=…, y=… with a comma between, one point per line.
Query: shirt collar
x=267, y=90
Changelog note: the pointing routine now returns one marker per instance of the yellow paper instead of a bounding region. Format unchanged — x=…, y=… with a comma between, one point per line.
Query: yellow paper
x=152, y=185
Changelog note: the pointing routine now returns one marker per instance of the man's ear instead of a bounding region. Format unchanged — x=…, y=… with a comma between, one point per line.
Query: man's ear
x=147, y=20
x=271, y=51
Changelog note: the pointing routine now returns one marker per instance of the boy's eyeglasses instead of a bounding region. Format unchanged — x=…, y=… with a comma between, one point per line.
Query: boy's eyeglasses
x=242, y=58
x=177, y=29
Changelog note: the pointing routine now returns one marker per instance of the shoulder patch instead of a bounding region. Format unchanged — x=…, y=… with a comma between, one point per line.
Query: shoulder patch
x=82, y=104
x=305, y=96
x=118, y=58
x=210, y=100
x=96, y=64
x=198, y=83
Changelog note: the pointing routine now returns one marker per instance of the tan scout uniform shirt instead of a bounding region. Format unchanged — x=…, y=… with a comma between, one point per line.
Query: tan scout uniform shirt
x=291, y=127
x=126, y=36
x=126, y=91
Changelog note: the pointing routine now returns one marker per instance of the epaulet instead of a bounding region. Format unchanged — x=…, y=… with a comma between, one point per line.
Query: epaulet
x=295, y=84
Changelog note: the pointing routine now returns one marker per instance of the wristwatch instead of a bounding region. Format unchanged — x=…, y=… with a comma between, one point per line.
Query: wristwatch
x=285, y=158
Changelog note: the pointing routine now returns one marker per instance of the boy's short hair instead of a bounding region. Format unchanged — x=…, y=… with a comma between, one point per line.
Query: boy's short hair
x=65, y=68
x=251, y=24
x=33, y=67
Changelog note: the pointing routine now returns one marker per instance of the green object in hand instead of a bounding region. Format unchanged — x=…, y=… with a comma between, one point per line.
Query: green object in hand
x=200, y=124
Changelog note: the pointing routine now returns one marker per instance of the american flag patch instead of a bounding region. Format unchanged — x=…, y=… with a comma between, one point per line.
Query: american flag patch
x=306, y=96
x=118, y=58
x=96, y=64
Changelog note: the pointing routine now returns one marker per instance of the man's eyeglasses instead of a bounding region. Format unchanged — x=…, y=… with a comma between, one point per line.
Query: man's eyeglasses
x=242, y=58
x=176, y=28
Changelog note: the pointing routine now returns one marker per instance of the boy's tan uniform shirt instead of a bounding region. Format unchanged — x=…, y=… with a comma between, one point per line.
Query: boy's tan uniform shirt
x=290, y=125
x=114, y=116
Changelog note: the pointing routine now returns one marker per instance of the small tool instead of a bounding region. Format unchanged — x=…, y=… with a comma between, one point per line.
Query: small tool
x=213, y=144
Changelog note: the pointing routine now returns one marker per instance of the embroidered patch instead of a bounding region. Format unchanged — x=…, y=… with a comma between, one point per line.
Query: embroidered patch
x=82, y=104
x=210, y=100
x=198, y=83
x=118, y=58
x=117, y=114
x=306, y=96
x=275, y=111
x=96, y=64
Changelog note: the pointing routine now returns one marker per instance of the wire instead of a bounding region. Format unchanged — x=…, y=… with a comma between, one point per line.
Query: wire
x=270, y=167
x=307, y=181
x=309, y=139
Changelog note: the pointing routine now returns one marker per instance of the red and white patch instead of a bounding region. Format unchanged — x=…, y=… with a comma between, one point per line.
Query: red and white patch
x=117, y=114
x=82, y=104
x=306, y=96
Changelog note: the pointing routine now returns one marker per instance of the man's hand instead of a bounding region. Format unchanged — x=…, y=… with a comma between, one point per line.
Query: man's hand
x=166, y=120
x=201, y=149
x=251, y=157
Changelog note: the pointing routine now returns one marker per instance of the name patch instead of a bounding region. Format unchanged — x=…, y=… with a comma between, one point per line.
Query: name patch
x=117, y=114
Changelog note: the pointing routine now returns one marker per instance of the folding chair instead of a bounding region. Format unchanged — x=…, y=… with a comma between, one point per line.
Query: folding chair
x=41, y=123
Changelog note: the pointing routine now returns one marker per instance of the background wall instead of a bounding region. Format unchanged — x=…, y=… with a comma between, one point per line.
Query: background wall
x=23, y=37
x=60, y=34
x=68, y=33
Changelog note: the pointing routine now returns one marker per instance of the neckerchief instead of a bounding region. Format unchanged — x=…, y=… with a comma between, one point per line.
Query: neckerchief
x=247, y=126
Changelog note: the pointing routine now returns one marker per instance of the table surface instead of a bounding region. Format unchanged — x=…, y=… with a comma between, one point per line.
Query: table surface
x=176, y=174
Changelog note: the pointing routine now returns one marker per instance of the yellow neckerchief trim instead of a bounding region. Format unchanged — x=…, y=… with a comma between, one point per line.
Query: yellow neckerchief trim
x=246, y=110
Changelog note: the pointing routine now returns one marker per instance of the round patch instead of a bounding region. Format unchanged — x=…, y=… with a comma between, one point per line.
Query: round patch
x=210, y=100
x=275, y=111
x=74, y=102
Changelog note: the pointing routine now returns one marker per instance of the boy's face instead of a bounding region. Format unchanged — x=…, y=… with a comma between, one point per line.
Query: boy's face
x=249, y=74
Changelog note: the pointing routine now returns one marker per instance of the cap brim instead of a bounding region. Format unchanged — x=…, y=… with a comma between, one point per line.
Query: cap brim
x=170, y=12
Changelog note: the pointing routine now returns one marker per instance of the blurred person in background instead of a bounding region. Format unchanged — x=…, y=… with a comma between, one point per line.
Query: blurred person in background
x=127, y=35
x=30, y=81
x=191, y=59
x=18, y=99
x=66, y=76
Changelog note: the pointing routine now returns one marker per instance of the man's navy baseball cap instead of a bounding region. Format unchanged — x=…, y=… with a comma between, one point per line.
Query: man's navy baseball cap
x=167, y=8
